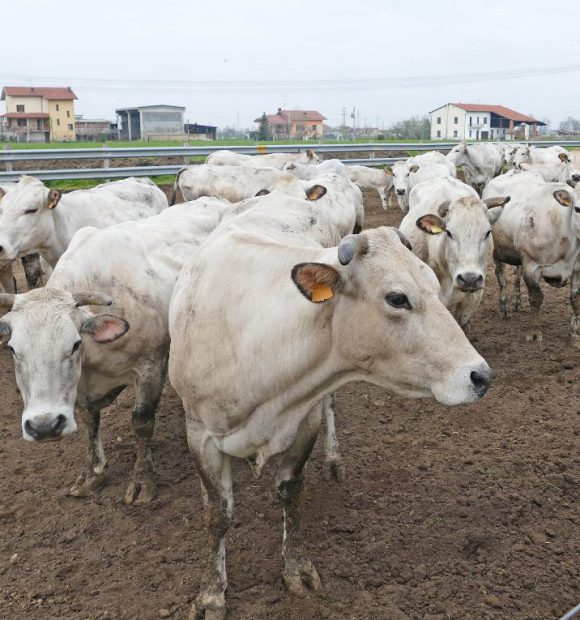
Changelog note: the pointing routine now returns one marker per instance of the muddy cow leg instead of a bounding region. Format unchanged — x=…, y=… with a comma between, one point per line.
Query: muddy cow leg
x=383, y=197
x=214, y=469
x=93, y=476
x=148, y=388
x=332, y=466
x=575, y=303
x=504, y=310
x=517, y=289
x=7, y=279
x=536, y=298
x=33, y=270
x=299, y=572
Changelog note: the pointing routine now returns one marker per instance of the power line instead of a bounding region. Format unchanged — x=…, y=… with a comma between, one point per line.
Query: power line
x=260, y=86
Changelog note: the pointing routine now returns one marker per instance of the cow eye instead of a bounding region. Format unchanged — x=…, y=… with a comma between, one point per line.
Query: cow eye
x=398, y=300
x=11, y=350
x=449, y=234
x=76, y=346
x=488, y=233
x=29, y=211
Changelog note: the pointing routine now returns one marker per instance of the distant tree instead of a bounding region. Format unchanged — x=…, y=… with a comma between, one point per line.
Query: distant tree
x=414, y=128
x=231, y=132
x=264, y=128
x=569, y=124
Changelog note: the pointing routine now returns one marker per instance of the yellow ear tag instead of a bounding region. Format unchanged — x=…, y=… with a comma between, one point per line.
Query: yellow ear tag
x=436, y=230
x=322, y=292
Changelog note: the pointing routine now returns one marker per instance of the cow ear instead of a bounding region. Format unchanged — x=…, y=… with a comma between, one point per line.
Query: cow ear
x=431, y=224
x=263, y=192
x=563, y=157
x=388, y=170
x=309, y=154
x=54, y=195
x=5, y=332
x=2, y=193
x=316, y=281
x=104, y=327
x=315, y=192
x=414, y=168
x=499, y=201
x=564, y=197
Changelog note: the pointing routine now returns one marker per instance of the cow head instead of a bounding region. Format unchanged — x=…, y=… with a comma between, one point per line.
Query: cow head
x=401, y=171
x=309, y=157
x=48, y=330
x=464, y=227
x=388, y=323
x=26, y=217
x=570, y=200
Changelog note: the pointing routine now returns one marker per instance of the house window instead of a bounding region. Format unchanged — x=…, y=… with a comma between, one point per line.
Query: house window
x=70, y=127
x=456, y=120
x=438, y=133
x=68, y=113
x=20, y=108
x=470, y=122
x=57, y=107
x=439, y=120
x=58, y=121
x=314, y=127
x=478, y=120
x=21, y=122
x=470, y=133
x=455, y=133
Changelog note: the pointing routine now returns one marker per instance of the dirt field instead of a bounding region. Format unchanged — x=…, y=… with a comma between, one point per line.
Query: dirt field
x=461, y=513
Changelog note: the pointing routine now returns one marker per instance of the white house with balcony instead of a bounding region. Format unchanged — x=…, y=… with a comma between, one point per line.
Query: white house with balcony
x=476, y=121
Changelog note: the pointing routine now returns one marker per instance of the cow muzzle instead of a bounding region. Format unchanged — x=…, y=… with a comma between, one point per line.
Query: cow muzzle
x=401, y=192
x=47, y=427
x=469, y=282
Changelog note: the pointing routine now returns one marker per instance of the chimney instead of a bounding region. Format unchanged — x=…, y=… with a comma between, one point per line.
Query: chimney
x=279, y=111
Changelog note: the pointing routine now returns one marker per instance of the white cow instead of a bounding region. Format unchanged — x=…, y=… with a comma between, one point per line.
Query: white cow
x=70, y=356
x=294, y=324
x=449, y=228
x=372, y=178
x=34, y=218
x=415, y=170
x=541, y=232
x=514, y=182
x=273, y=160
x=232, y=183
x=480, y=162
x=7, y=280
x=309, y=171
x=555, y=172
x=574, y=168
x=539, y=155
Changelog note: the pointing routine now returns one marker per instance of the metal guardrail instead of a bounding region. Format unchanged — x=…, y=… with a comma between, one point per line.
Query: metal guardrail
x=107, y=153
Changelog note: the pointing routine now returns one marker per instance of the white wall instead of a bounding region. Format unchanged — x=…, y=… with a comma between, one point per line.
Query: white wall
x=448, y=129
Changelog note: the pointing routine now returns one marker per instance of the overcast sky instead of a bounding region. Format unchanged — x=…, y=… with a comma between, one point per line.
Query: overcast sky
x=117, y=53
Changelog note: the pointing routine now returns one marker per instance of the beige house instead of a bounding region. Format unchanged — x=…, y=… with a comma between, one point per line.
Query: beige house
x=295, y=124
x=35, y=114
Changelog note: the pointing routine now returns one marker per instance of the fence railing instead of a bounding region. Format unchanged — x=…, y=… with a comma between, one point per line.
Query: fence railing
x=107, y=153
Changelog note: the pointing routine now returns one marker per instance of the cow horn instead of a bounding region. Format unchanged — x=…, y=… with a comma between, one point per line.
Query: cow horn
x=92, y=298
x=498, y=201
x=351, y=246
x=7, y=301
x=403, y=239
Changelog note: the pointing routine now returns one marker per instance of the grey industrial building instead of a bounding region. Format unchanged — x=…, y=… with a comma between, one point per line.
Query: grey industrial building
x=151, y=122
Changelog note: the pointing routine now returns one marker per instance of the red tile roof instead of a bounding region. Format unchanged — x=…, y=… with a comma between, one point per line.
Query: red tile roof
x=50, y=92
x=284, y=116
x=497, y=109
x=25, y=115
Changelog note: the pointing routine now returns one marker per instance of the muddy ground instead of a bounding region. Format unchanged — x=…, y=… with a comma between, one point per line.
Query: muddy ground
x=462, y=513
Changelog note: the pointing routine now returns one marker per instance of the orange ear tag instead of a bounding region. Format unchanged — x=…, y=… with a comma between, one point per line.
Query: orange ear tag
x=436, y=230
x=322, y=292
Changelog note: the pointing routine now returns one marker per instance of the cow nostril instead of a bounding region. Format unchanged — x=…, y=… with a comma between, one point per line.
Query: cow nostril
x=49, y=430
x=29, y=428
x=481, y=380
x=400, y=192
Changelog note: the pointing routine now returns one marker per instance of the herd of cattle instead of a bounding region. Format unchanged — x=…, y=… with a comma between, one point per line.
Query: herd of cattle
x=261, y=295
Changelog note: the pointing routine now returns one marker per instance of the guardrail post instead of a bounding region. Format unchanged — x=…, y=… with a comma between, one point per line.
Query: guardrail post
x=106, y=161
x=186, y=157
x=8, y=164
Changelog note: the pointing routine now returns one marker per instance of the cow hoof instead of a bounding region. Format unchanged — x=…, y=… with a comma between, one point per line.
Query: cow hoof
x=208, y=607
x=517, y=305
x=140, y=492
x=85, y=485
x=333, y=469
x=534, y=337
x=300, y=576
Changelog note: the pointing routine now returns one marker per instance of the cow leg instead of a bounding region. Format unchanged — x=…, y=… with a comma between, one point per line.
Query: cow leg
x=383, y=197
x=517, y=289
x=332, y=466
x=467, y=308
x=299, y=572
x=7, y=279
x=148, y=388
x=504, y=310
x=536, y=298
x=92, y=478
x=214, y=469
x=575, y=303
x=33, y=270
